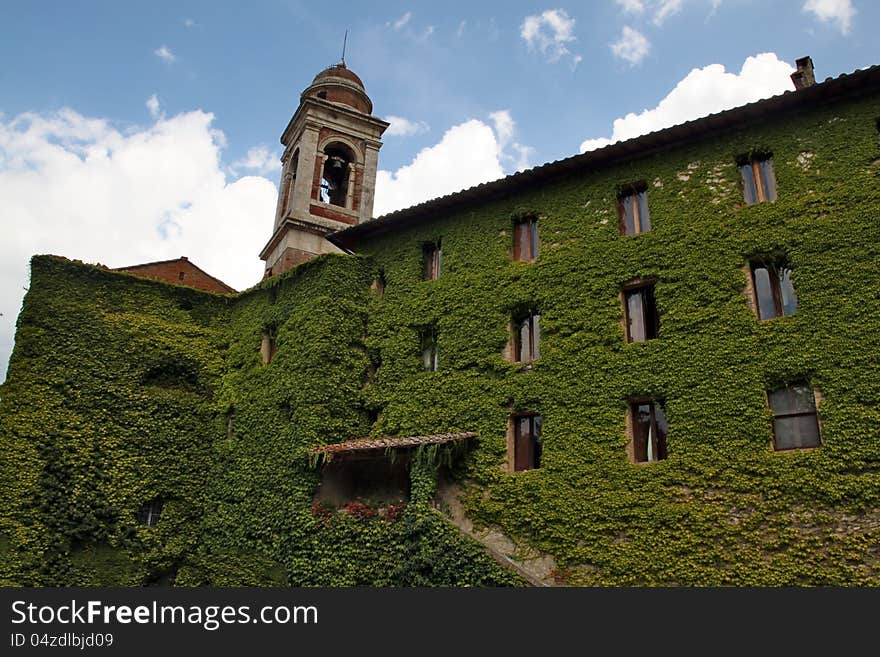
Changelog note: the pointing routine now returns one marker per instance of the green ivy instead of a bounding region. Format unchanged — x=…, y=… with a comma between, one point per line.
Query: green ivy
x=121, y=390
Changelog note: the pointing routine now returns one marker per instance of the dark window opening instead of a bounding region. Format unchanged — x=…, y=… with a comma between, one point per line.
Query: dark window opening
x=795, y=421
x=429, y=348
x=774, y=292
x=649, y=431
x=173, y=374
x=149, y=512
x=632, y=208
x=642, y=319
x=527, y=338
x=230, y=423
x=527, y=444
x=334, y=178
x=525, y=240
x=322, y=95
x=758, y=178
x=378, y=285
x=268, y=345
x=180, y=276
x=375, y=479
x=432, y=261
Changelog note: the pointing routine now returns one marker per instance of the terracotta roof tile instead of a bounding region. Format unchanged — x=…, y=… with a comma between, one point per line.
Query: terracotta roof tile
x=390, y=442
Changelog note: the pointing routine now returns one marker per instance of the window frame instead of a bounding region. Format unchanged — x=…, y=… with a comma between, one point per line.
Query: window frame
x=268, y=344
x=637, y=287
x=150, y=512
x=815, y=397
x=637, y=193
x=533, y=320
x=515, y=438
x=432, y=260
x=756, y=165
x=525, y=250
x=776, y=275
x=429, y=340
x=661, y=446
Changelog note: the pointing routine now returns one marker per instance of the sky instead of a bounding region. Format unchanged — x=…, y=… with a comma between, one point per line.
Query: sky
x=136, y=132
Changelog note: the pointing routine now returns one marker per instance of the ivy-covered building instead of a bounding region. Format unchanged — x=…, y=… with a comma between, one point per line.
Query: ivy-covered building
x=657, y=363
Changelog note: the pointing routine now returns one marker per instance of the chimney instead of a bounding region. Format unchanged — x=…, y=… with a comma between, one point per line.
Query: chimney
x=803, y=77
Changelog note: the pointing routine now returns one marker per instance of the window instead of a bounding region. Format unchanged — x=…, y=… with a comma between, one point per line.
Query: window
x=642, y=320
x=774, y=293
x=429, y=345
x=180, y=276
x=334, y=177
x=759, y=181
x=525, y=240
x=649, y=430
x=525, y=442
x=632, y=207
x=268, y=346
x=378, y=285
x=526, y=338
x=149, y=512
x=432, y=259
x=795, y=423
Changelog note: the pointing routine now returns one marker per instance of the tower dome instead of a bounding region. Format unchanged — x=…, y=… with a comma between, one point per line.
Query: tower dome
x=337, y=84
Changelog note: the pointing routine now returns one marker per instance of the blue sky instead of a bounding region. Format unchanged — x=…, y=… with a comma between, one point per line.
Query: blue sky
x=132, y=132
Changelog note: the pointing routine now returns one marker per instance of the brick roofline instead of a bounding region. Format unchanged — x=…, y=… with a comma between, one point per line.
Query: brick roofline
x=230, y=290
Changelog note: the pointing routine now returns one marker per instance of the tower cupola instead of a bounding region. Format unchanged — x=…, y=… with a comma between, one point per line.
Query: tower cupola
x=329, y=165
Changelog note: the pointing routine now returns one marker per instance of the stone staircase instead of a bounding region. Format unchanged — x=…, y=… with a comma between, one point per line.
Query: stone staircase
x=536, y=568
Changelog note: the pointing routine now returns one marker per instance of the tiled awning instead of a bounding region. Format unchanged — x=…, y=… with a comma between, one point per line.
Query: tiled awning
x=390, y=442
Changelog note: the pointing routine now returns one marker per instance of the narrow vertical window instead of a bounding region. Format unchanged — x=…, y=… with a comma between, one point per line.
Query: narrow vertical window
x=149, y=512
x=649, y=430
x=526, y=442
x=758, y=178
x=525, y=240
x=774, y=292
x=527, y=338
x=230, y=423
x=632, y=207
x=267, y=345
x=642, y=319
x=432, y=260
x=795, y=422
x=429, y=346
x=378, y=285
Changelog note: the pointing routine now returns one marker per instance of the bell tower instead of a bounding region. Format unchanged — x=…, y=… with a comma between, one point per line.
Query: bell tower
x=328, y=174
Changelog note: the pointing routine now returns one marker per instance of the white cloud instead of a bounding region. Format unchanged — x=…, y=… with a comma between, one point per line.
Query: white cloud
x=164, y=53
x=402, y=21
x=631, y=6
x=258, y=159
x=839, y=11
x=188, y=22
x=468, y=154
x=632, y=46
x=509, y=151
x=550, y=33
x=153, y=105
x=402, y=127
x=704, y=91
x=84, y=189
x=665, y=9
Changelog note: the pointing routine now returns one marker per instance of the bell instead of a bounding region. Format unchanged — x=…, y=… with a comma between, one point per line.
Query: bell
x=337, y=162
